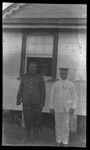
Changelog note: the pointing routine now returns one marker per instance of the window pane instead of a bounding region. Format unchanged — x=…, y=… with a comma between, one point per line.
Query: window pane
x=39, y=44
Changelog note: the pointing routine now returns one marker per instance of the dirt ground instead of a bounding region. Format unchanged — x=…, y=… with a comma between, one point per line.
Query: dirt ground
x=13, y=134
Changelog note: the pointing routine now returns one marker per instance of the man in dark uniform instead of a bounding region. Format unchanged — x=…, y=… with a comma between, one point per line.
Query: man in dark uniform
x=32, y=94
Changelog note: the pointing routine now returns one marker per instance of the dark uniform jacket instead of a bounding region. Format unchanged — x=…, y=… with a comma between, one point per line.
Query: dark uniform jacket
x=32, y=89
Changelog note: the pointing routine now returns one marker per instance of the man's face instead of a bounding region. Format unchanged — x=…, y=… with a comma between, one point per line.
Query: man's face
x=32, y=68
x=63, y=75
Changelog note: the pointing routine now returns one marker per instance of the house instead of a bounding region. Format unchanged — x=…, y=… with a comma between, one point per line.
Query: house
x=50, y=34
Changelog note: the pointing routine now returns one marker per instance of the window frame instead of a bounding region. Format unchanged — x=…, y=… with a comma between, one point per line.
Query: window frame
x=55, y=34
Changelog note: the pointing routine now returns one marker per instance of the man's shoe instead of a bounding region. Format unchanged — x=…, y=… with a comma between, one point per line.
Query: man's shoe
x=61, y=145
x=65, y=144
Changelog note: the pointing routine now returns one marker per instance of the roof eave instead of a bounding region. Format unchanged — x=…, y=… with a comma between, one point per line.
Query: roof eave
x=45, y=21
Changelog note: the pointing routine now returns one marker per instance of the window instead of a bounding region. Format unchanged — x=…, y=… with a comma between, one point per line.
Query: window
x=42, y=48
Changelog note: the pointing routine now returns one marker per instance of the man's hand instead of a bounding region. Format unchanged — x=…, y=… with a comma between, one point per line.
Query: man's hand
x=52, y=111
x=18, y=102
x=41, y=105
x=71, y=112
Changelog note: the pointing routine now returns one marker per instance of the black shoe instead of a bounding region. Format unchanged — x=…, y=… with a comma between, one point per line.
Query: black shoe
x=61, y=145
x=65, y=145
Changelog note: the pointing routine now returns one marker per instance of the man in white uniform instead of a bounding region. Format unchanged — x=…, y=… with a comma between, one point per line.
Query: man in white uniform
x=63, y=102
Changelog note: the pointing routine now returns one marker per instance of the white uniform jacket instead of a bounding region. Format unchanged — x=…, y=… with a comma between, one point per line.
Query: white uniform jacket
x=63, y=96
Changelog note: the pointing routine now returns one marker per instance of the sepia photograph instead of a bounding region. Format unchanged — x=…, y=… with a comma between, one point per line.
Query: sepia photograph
x=44, y=74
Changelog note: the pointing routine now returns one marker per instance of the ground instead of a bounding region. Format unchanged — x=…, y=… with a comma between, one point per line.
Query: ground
x=13, y=134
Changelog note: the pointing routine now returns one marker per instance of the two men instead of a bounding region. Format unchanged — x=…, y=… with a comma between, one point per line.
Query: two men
x=32, y=94
x=63, y=102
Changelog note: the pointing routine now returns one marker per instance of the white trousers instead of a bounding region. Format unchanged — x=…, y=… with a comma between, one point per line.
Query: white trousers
x=62, y=127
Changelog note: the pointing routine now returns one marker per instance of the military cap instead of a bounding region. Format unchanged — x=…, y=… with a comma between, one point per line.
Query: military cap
x=63, y=69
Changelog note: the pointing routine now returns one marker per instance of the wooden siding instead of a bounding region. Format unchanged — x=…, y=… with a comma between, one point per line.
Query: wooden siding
x=11, y=67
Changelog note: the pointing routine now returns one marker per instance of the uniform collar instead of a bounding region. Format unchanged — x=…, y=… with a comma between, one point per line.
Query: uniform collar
x=32, y=75
x=63, y=81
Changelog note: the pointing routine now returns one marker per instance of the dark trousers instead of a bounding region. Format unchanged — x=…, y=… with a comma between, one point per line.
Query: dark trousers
x=32, y=115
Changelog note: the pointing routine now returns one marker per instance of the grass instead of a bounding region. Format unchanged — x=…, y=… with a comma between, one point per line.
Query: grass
x=14, y=134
